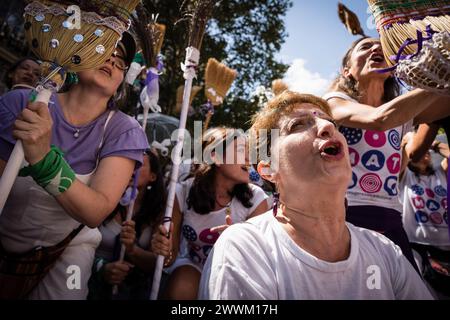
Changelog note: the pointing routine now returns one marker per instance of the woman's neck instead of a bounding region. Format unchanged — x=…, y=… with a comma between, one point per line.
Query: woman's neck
x=317, y=225
x=82, y=105
x=371, y=92
x=223, y=189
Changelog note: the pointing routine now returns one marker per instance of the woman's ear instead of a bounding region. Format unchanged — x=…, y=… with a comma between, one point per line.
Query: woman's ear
x=152, y=177
x=266, y=172
x=346, y=72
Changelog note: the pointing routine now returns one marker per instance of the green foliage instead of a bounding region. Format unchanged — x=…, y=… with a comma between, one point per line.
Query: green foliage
x=244, y=34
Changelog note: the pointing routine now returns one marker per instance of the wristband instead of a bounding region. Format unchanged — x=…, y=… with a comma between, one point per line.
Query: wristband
x=52, y=173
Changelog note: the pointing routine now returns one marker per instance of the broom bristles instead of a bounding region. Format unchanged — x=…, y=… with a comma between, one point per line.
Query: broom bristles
x=75, y=56
x=159, y=31
x=279, y=86
x=180, y=91
x=400, y=21
x=219, y=78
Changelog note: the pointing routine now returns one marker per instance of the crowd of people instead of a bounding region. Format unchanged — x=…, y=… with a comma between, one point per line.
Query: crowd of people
x=359, y=211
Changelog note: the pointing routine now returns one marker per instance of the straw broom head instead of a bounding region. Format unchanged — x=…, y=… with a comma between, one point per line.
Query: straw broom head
x=350, y=20
x=399, y=20
x=198, y=20
x=180, y=91
x=278, y=87
x=149, y=33
x=218, y=80
x=54, y=37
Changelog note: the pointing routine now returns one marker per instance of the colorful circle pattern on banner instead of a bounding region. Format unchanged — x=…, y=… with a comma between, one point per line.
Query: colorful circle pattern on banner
x=417, y=190
x=370, y=183
x=209, y=237
x=375, y=139
x=373, y=160
x=189, y=233
x=440, y=191
x=394, y=139
x=353, y=136
x=390, y=185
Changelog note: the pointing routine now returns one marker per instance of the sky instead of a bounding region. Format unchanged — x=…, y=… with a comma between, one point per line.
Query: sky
x=317, y=40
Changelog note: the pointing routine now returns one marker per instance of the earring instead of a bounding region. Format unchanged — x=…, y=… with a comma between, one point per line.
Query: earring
x=276, y=200
x=72, y=78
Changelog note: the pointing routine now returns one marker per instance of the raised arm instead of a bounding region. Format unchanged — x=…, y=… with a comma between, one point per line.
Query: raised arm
x=391, y=114
x=422, y=141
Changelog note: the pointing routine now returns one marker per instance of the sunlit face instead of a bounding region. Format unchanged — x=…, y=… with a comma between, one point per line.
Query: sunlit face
x=236, y=161
x=27, y=73
x=366, y=58
x=108, y=76
x=310, y=148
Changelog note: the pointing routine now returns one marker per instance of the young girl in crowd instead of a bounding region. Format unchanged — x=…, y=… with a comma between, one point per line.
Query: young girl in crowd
x=134, y=274
x=373, y=118
x=81, y=153
x=217, y=196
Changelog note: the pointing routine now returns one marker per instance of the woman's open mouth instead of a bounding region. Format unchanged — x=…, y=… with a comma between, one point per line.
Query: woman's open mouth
x=332, y=150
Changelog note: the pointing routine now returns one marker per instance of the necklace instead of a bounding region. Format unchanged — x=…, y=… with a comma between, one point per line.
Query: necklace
x=77, y=133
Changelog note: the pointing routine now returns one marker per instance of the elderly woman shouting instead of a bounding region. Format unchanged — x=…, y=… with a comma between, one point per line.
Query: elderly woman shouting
x=305, y=249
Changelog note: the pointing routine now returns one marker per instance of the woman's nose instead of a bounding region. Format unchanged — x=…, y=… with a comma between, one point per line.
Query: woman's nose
x=325, y=129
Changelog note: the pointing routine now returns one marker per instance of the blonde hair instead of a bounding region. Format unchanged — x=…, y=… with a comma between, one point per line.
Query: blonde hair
x=269, y=117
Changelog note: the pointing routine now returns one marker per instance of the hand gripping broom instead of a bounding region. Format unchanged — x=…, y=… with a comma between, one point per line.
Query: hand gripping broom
x=66, y=38
x=200, y=16
x=416, y=40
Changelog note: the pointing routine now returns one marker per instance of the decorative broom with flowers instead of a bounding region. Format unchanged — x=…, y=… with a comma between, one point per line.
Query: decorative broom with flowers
x=151, y=35
x=218, y=80
x=68, y=36
x=416, y=40
x=198, y=21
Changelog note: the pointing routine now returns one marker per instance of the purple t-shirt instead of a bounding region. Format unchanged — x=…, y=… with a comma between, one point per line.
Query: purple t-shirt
x=123, y=135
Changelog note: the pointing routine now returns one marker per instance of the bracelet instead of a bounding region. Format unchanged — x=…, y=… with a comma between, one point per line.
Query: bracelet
x=168, y=259
x=52, y=173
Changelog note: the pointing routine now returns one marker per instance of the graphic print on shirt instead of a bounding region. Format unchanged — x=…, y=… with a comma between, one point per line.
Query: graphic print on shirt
x=376, y=164
x=200, y=245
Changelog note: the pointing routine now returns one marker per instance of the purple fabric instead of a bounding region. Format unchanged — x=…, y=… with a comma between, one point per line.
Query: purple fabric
x=152, y=83
x=448, y=197
x=123, y=136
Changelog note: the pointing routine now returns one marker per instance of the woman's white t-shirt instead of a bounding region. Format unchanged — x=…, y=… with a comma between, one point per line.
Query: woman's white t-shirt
x=257, y=260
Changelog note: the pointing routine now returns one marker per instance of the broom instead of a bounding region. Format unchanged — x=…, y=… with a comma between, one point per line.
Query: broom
x=350, y=20
x=415, y=39
x=278, y=87
x=218, y=80
x=199, y=19
x=151, y=36
x=180, y=90
x=55, y=39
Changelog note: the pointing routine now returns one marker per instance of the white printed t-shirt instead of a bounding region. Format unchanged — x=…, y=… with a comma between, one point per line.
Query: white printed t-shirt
x=196, y=238
x=257, y=260
x=375, y=157
x=425, y=215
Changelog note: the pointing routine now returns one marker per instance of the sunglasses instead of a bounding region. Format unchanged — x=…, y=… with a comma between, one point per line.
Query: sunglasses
x=118, y=61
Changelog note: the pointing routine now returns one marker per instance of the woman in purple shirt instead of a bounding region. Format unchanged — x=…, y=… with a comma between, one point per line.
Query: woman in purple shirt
x=81, y=154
